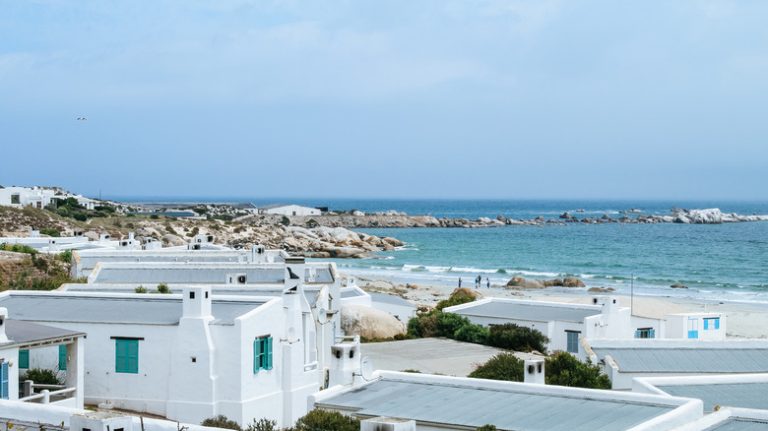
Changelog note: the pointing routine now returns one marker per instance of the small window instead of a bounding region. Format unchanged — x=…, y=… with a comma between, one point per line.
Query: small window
x=191, y=295
x=62, y=357
x=645, y=333
x=711, y=323
x=262, y=354
x=4, y=378
x=24, y=358
x=127, y=355
x=206, y=294
x=572, y=341
x=15, y=199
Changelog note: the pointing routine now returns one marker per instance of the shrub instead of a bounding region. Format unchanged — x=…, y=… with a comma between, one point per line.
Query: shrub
x=458, y=297
x=321, y=420
x=18, y=248
x=262, y=424
x=519, y=338
x=65, y=256
x=312, y=223
x=220, y=421
x=487, y=428
x=154, y=216
x=285, y=221
x=42, y=376
x=564, y=369
x=163, y=288
x=504, y=366
x=50, y=231
x=472, y=334
x=141, y=289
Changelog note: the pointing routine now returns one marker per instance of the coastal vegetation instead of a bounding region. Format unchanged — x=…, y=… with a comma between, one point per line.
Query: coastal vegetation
x=562, y=369
x=23, y=268
x=315, y=420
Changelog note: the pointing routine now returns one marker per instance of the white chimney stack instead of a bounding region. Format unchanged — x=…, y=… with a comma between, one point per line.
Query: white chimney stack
x=196, y=302
x=387, y=424
x=3, y=318
x=533, y=371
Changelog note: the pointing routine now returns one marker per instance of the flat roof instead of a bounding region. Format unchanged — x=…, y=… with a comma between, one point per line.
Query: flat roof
x=684, y=356
x=537, y=311
x=743, y=395
x=390, y=299
x=148, y=309
x=429, y=355
x=740, y=424
x=23, y=333
x=199, y=272
x=508, y=406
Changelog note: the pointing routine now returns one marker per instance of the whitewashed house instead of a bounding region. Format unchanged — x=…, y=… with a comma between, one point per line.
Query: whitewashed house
x=19, y=340
x=19, y=197
x=624, y=360
x=565, y=324
x=455, y=403
x=192, y=356
x=290, y=210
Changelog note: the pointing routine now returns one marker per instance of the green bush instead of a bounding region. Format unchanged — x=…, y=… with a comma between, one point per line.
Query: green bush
x=285, y=221
x=163, y=288
x=458, y=297
x=18, y=248
x=65, y=256
x=262, y=424
x=518, y=338
x=504, y=366
x=50, y=231
x=140, y=289
x=321, y=420
x=42, y=377
x=472, y=334
x=221, y=421
x=564, y=369
x=487, y=428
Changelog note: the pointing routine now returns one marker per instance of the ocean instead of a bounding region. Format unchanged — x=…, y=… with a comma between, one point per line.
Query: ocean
x=720, y=262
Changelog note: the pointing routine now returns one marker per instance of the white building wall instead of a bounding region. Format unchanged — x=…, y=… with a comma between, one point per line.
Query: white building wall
x=11, y=355
x=293, y=210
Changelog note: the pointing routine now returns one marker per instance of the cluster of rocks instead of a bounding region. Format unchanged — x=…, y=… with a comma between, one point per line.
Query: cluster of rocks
x=523, y=283
x=677, y=215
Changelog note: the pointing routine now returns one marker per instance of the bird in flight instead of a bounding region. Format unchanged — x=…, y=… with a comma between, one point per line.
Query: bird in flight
x=82, y=119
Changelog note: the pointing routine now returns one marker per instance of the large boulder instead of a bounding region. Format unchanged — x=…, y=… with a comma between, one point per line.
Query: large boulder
x=522, y=283
x=573, y=282
x=370, y=323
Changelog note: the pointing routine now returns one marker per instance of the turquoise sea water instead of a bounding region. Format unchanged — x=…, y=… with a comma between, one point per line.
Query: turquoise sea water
x=728, y=261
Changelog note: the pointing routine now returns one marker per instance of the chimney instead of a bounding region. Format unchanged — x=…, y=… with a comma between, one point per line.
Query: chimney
x=533, y=371
x=609, y=304
x=258, y=254
x=196, y=303
x=130, y=236
x=346, y=362
x=3, y=318
x=387, y=424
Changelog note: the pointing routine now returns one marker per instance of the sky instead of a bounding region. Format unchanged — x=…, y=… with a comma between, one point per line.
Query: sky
x=387, y=99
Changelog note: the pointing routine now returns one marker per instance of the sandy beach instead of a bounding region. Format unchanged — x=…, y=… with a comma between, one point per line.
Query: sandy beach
x=745, y=320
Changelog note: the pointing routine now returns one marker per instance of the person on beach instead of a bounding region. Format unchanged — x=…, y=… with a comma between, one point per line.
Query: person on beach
x=459, y=282
x=478, y=281
x=488, y=282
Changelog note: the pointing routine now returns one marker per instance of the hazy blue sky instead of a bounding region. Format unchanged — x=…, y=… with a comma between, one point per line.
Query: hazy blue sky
x=487, y=98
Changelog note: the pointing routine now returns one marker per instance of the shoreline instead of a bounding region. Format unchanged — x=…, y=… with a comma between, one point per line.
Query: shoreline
x=746, y=319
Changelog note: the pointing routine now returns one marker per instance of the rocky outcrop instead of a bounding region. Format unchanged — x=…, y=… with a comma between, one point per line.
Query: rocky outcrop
x=370, y=323
x=523, y=283
x=678, y=286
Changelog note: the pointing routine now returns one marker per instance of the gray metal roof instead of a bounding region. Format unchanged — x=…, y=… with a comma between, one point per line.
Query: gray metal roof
x=471, y=406
x=743, y=395
x=524, y=311
x=389, y=299
x=740, y=424
x=196, y=273
x=22, y=333
x=682, y=359
x=152, y=310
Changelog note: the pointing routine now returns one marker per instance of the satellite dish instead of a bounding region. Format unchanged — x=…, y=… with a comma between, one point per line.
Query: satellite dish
x=366, y=368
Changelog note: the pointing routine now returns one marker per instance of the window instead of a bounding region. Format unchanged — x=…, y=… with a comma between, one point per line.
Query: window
x=15, y=199
x=62, y=357
x=645, y=333
x=4, y=377
x=711, y=323
x=693, y=327
x=262, y=354
x=127, y=355
x=24, y=358
x=572, y=339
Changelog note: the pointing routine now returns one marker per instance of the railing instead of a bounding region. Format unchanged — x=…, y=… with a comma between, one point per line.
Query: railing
x=47, y=394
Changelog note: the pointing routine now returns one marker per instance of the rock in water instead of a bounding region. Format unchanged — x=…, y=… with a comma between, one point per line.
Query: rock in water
x=522, y=283
x=573, y=282
x=678, y=286
x=369, y=322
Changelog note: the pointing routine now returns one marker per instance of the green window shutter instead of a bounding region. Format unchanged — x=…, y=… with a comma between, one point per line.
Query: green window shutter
x=256, y=355
x=62, y=357
x=24, y=358
x=269, y=353
x=126, y=356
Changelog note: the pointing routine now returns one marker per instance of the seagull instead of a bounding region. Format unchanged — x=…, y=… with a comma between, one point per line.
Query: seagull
x=82, y=119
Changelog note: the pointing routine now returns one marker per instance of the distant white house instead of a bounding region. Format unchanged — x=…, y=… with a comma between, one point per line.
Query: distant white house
x=192, y=356
x=290, y=210
x=565, y=324
x=624, y=360
x=39, y=197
